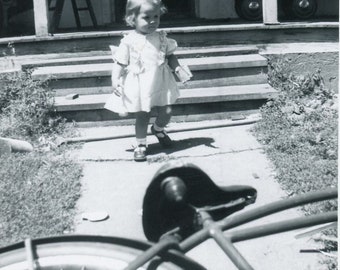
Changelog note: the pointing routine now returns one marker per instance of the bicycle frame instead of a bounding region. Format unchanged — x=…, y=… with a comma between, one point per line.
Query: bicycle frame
x=225, y=239
x=170, y=250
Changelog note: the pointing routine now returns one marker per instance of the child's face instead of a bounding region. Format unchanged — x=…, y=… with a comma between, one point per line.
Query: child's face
x=147, y=21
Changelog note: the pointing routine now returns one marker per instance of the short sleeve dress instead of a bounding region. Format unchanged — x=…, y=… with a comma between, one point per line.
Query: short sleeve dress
x=148, y=81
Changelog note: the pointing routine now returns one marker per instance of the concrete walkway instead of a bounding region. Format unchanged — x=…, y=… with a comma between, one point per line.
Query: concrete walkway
x=114, y=183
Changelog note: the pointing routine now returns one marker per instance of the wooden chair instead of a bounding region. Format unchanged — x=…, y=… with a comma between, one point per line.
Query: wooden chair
x=57, y=9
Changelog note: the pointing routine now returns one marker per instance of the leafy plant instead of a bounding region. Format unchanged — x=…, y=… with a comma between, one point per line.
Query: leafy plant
x=299, y=130
x=38, y=190
x=26, y=106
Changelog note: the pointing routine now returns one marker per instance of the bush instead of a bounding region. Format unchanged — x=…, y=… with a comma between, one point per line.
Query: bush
x=299, y=131
x=26, y=107
x=38, y=190
x=38, y=193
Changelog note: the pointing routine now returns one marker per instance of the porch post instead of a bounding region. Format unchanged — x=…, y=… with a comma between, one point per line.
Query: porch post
x=41, y=17
x=269, y=9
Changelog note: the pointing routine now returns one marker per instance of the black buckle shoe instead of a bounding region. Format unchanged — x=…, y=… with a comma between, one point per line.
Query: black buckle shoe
x=139, y=154
x=162, y=137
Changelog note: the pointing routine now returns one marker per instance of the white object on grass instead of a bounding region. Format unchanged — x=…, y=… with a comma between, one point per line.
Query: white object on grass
x=95, y=216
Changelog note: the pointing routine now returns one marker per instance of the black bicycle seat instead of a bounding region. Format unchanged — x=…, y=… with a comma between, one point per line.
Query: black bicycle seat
x=194, y=190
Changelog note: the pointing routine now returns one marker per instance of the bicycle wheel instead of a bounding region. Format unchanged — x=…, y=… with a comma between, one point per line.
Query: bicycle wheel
x=87, y=252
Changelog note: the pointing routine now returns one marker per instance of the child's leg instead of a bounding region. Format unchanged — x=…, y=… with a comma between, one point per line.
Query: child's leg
x=163, y=118
x=141, y=127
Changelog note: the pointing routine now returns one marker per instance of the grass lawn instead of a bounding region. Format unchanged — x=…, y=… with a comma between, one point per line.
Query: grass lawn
x=38, y=193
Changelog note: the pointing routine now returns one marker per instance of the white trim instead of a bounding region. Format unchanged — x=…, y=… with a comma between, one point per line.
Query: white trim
x=40, y=17
x=269, y=10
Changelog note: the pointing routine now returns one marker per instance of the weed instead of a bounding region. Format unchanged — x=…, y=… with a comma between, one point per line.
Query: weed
x=38, y=190
x=299, y=130
x=26, y=107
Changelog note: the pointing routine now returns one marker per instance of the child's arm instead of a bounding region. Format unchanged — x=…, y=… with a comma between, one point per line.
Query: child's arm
x=173, y=61
x=182, y=72
x=117, y=71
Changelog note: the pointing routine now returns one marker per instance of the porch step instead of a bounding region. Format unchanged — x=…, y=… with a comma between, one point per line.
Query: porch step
x=224, y=80
x=188, y=96
x=213, y=71
x=197, y=100
x=66, y=87
x=106, y=56
x=104, y=69
x=225, y=33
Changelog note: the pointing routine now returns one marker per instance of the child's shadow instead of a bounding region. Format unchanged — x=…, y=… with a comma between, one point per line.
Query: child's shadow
x=178, y=145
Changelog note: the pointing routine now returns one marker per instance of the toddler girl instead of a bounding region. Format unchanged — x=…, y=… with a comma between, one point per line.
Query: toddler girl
x=142, y=75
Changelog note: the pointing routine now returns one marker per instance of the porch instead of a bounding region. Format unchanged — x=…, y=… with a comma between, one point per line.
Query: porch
x=42, y=18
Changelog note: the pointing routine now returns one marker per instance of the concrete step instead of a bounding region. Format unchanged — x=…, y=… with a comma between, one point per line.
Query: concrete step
x=202, y=78
x=195, y=64
x=188, y=96
x=102, y=85
x=200, y=101
x=106, y=56
x=202, y=35
x=222, y=83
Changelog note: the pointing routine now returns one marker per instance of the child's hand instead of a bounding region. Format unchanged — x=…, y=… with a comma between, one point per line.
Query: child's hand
x=183, y=73
x=118, y=90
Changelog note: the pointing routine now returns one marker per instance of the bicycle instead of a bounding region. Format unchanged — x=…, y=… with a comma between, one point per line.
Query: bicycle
x=182, y=208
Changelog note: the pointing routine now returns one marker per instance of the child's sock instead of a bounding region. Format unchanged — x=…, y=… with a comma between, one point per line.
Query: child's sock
x=141, y=141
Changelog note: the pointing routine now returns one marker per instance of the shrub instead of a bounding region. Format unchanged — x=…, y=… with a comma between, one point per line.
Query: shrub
x=299, y=131
x=38, y=190
x=26, y=107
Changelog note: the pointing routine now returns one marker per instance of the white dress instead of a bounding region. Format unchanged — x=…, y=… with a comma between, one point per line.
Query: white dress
x=148, y=80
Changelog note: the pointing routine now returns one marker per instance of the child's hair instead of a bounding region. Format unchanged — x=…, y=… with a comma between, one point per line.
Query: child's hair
x=133, y=7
